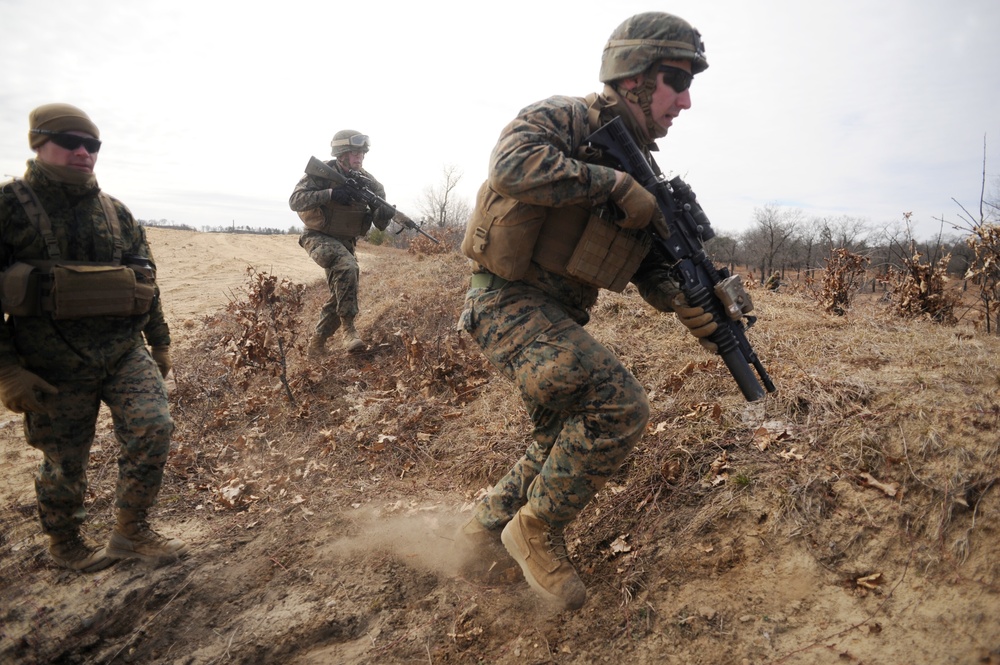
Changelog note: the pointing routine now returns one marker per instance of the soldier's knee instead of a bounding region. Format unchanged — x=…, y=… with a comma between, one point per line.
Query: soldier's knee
x=635, y=406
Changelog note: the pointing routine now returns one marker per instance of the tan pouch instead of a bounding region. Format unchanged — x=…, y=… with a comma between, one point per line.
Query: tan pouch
x=19, y=290
x=312, y=218
x=83, y=291
x=607, y=255
x=502, y=232
x=144, y=294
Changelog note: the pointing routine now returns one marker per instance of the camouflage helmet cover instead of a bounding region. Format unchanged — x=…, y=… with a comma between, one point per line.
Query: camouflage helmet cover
x=647, y=38
x=347, y=140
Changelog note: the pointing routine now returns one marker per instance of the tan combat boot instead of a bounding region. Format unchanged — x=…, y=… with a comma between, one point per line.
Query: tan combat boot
x=317, y=347
x=133, y=538
x=70, y=550
x=351, y=340
x=541, y=553
x=481, y=556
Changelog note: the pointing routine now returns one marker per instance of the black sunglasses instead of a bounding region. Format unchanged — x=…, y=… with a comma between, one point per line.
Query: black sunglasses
x=677, y=78
x=71, y=141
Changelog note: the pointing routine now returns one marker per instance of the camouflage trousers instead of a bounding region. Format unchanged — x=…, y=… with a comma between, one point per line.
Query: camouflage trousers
x=588, y=410
x=336, y=257
x=137, y=399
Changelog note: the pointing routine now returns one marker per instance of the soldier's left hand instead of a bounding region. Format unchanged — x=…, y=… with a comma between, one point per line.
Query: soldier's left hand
x=698, y=322
x=161, y=356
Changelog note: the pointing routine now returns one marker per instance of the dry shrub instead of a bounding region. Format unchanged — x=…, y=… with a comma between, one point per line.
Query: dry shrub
x=921, y=289
x=267, y=327
x=985, y=271
x=423, y=245
x=844, y=275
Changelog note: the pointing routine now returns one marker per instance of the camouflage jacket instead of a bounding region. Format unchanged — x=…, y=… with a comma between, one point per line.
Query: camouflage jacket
x=541, y=158
x=79, y=348
x=312, y=192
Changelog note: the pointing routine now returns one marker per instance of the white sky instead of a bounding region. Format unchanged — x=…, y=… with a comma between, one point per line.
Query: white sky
x=210, y=110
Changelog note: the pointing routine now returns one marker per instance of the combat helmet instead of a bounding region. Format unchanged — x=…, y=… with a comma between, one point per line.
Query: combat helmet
x=347, y=140
x=638, y=46
x=648, y=38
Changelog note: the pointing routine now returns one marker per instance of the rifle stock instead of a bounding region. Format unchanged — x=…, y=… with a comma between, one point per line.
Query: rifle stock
x=319, y=169
x=681, y=235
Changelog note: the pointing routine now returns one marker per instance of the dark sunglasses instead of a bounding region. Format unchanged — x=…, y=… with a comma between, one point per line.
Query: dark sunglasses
x=676, y=78
x=71, y=141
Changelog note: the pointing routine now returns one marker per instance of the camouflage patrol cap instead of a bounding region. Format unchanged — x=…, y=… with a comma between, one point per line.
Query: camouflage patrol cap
x=647, y=38
x=347, y=140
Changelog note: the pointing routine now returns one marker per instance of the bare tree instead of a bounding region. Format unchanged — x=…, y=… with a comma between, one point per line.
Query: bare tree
x=844, y=232
x=439, y=206
x=771, y=236
x=724, y=249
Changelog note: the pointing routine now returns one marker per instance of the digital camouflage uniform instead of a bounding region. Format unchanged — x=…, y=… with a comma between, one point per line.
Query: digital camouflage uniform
x=336, y=253
x=587, y=408
x=90, y=360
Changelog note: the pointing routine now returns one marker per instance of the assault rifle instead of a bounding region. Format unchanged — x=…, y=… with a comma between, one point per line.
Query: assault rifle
x=681, y=235
x=361, y=186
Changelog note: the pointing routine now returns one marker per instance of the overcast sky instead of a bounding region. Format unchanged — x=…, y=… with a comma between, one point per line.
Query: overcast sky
x=210, y=110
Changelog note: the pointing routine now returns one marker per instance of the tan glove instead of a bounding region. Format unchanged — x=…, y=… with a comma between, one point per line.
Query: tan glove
x=699, y=322
x=638, y=204
x=161, y=356
x=21, y=390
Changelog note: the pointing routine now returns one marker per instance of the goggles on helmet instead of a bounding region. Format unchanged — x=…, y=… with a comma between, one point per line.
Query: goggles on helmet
x=356, y=141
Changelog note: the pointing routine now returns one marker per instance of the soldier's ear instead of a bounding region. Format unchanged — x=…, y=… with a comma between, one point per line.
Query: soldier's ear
x=631, y=83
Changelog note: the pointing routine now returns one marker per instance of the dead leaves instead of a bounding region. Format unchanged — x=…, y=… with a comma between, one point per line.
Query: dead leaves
x=776, y=432
x=676, y=380
x=712, y=410
x=620, y=545
x=868, y=480
x=718, y=471
x=870, y=581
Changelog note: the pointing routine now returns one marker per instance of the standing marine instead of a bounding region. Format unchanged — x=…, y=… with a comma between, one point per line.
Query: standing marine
x=335, y=216
x=553, y=224
x=83, y=324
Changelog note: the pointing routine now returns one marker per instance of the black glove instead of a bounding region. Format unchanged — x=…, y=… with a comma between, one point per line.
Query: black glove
x=343, y=195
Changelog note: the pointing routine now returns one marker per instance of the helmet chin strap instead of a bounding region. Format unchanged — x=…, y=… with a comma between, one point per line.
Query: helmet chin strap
x=643, y=96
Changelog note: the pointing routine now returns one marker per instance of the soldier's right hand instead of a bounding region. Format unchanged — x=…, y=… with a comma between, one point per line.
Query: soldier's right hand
x=342, y=195
x=635, y=201
x=20, y=389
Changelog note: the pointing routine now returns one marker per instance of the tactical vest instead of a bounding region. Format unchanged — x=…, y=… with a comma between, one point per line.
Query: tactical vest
x=584, y=243
x=74, y=289
x=336, y=220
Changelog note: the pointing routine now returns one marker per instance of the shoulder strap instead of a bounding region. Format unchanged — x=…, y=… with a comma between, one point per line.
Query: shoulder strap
x=593, y=112
x=36, y=213
x=114, y=226
x=594, y=121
